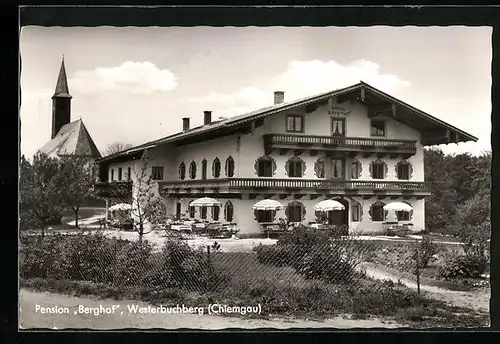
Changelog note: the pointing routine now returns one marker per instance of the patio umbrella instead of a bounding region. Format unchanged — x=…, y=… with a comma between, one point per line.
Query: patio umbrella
x=120, y=206
x=268, y=204
x=205, y=202
x=398, y=206
x=329, y=205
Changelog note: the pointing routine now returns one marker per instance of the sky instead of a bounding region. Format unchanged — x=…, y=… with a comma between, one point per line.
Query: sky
x=133, y=85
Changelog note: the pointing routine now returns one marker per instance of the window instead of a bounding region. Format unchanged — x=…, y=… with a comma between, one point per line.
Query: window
x=192, y=170
x=378, y=170
x=377, y=212
x=204, y=213
x=216, y=168
x=182, y=171
x=338, y=126
x=178, y=210
x=295, y=211
x=112, y=174
x=129, y=176
x=215, y=213
x=337, y=168
x=229, y=167
x=204, y=169
x=265, y=167
x=119, y=173
x=356, y=212
x=403, y=215
x=403, y=170
x=355, y=169
x=377, y=128
x=295, y=167
x=228, y=211
x=264, y=215
x=295, y=124
x=319, y=168
x=192, y=211
x=157, y=172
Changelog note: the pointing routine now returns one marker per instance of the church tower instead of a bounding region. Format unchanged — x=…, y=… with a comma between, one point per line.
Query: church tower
x=61, y=102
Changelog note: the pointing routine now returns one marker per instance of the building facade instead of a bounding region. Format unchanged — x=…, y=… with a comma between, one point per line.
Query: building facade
x=356, y=145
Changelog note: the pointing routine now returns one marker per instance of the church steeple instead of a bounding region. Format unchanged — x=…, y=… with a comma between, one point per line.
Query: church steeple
x=61, y=102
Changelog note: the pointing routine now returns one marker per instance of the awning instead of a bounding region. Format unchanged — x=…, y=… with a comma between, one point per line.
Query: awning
x=397, y=206
x=205, y=202
x=268, y=204
x=329, y=205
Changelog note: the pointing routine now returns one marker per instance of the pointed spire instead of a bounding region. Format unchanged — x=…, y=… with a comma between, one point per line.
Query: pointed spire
x=62, y=90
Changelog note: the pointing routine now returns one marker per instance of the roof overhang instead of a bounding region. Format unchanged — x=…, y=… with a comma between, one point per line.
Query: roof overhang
x=433, y=130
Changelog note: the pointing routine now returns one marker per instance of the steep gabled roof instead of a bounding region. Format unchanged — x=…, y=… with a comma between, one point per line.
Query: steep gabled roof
x=62, y=89
x=418, y=118
x=72, y=139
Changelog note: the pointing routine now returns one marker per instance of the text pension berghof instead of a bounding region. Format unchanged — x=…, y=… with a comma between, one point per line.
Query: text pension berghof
x=212, y=309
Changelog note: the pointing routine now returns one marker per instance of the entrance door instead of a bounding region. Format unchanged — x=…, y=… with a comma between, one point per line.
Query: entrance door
x=178, y=211
x=340, y=217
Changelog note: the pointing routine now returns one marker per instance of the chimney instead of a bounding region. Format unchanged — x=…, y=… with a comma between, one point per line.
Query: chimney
x=279, y=97
x=185, y=124
x=207, y=117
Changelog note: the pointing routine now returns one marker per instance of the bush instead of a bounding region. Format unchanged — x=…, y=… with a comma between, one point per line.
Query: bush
x=464, y=266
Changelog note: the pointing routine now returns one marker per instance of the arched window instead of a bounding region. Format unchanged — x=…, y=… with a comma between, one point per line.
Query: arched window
x=215, y=213
x=378, y=169
x=192, y=211
x=355, y=169
x=229, y=167
x=228, y=211
x=377, y=212
x=265, y=166
x=216, y=168
x=192, y=170
x=319, y=168
x=404, y=170
x=204, y=213
x=356, y=211
x=295, y=211
x=295, y=167
x=264, y=216
x=204, y=169
x=182, y=171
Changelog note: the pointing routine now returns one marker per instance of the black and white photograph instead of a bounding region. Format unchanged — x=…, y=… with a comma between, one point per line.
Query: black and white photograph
x=254, y=177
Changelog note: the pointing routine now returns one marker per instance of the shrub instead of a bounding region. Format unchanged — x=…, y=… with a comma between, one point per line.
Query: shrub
x=133, y=264
x=464, y=266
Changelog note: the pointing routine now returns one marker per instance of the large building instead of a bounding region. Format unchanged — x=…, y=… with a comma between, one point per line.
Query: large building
x=67, y=138
x=357, y=145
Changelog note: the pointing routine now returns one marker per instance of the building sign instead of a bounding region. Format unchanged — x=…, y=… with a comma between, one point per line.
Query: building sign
x=338, y=111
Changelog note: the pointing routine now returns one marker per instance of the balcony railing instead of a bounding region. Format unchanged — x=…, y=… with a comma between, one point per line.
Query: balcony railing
x=349, y=143
x=115, y=189
x=305, y=184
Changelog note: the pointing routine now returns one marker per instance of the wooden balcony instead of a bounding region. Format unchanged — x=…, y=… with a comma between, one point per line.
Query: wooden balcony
x=363, y=145
x=115, y=189
x=292, y=185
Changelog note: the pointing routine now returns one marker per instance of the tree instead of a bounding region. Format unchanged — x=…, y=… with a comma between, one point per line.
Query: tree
x=76, y=182
x=117, y=147
x=40, y=194
x=148, y=209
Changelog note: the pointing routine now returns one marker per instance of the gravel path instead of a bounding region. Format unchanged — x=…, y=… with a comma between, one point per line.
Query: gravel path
x=29, y=318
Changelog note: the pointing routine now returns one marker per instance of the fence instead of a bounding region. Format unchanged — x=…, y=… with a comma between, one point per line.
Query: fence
x=304, y=270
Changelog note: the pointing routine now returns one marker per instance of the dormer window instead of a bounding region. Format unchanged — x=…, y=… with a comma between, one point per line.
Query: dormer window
x=377, y=128
x=295, y=124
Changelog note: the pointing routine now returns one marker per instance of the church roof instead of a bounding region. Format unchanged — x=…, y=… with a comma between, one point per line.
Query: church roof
x=62, y=89
x=72, y=139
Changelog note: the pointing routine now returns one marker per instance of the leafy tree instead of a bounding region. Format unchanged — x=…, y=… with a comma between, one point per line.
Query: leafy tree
x=148, y=209
x=75, y=181
x=40, y=195
x=117, y=147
